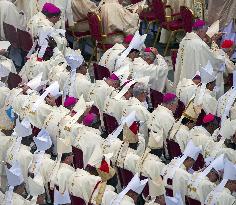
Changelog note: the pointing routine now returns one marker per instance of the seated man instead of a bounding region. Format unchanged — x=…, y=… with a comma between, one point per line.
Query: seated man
x=6, y=67
x=123, y=54
x=80, y=15
x=139, y=104
x=177, y=173
x=186, y=89
x=78, y=83
x=180, y=132
x=44, y=63
x=222, y=194
x=62, y=171
x=100, y=90
x=16, y=190
x=152, y=65
x=22, y=154
x=205, y=97
x=10, y=15
x=115, y=18
x=44, y=166
x=108, y=59
x=161, y=122
x=202, y=183
x=114, y=105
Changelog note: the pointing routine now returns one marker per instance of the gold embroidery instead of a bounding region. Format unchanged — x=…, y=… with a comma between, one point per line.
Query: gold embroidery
x=102, y=188
x=122, y=154
x=191, y=188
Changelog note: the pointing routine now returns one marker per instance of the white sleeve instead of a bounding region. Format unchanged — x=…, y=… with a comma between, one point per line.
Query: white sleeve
x=69, y=14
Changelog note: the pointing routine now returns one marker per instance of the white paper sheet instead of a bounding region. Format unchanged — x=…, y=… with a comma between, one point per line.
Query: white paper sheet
x=4, y=45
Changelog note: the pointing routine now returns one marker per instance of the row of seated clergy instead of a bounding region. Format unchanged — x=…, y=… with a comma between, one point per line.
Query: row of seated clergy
x=16, y=109
x=65, y=83
x=179, y=166
x=167, y=129
x=46, y=109
x=19, y=110
x=58, y=173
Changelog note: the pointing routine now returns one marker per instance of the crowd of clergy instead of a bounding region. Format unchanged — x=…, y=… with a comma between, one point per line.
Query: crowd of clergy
x=132, y=138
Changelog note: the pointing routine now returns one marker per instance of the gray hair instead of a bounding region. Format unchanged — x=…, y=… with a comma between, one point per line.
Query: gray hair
x=150, y=55
x=139, y=88
x=204, y=28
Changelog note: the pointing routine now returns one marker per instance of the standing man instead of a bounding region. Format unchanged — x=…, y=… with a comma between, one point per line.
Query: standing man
x=194, y=53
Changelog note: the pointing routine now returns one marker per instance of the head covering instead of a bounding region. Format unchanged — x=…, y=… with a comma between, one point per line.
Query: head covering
x=53, y=89
x=177, y=200
x=228, y=128
x=23, y=128
x=148, y=50
x=156, y=187
x=50, y=9
x=227, y=44
x=74, y=59
x=197, y=76
x=35, y=83
x=69, y=101
x=105, y=171
x=229, y=174
x=217, y=165
x=207, y=76
x=229, y=170
x=128, y=39
x=207, y=73
x=113, y=77
x=121, y=74
x=208, y=118
x=14, y=174
x=130, y=134
x=135, y=185
x=199, y=24
x=191, y=151
x=136, y=43
x=168, y=97
x=125, y=89
x=14, y=178
x=89, y=119
x=213, y=29
x=36, y=186
x=64, y=146
x=43, y=140
x=128, y=121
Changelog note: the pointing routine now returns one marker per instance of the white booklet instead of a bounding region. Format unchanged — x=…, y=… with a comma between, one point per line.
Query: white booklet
x=4, y=45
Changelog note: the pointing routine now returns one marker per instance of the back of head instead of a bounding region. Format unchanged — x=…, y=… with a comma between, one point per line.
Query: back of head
x=149, y=57
x=139, y=88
